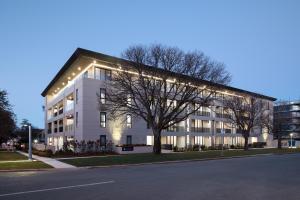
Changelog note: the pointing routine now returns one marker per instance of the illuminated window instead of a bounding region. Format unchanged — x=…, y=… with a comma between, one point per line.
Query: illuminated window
x=128, y=121
x=102, y=95
x=103, y=119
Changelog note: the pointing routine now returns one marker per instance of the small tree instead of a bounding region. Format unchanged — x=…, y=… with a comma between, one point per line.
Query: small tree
x=246, y=113
x=7, y=117
x=156, y=86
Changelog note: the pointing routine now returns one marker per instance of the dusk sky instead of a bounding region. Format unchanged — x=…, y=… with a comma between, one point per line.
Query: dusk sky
x=259, y=41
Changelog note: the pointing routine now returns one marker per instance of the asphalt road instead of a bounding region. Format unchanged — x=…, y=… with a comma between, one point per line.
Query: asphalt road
x=262, y=177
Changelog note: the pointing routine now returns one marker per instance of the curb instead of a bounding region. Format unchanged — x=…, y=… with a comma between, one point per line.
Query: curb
x=26, y=170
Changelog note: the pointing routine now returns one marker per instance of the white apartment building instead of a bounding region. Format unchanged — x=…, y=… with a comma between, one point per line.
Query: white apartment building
x=72, y=111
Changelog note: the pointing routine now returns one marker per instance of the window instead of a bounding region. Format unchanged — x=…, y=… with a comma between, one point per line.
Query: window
x=76, y=122
x=103, y=119
x=129, y=100
x=102, y=74
x=97, y=73
x=85, y=75
x=102, y=140
x=102, y=95
x=108, y=75
x=129, y=139
x=76, y=96
x=128, y=121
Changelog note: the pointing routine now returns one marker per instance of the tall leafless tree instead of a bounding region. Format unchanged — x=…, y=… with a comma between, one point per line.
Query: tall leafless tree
x=156, y=85
x=247, y=113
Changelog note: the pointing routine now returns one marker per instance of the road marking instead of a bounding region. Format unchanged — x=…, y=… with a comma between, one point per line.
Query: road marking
x=57, y=188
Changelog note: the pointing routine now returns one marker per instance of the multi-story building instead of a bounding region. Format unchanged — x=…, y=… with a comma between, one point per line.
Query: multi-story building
x=287, y=122
x=72, y=111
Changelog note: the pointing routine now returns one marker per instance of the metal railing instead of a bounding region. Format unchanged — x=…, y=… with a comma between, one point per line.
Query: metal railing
x=200, y=129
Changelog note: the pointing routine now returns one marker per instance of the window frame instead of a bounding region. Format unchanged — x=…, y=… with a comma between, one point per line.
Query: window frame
x=103, y=122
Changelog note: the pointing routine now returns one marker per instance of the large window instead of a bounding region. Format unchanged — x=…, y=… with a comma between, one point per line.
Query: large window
x=76, y=96
x=102, y=95
x=129, y=140
x=128, y=121
x=103, y=119
x=76, y=118
x=102, y=74
x=102, y=140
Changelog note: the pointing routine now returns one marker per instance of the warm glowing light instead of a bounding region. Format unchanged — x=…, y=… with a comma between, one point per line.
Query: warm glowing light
x=94, y=62
x=79, y=68
x=73, y=74
x=58, y=88
x=63, y=83
x=69, y=77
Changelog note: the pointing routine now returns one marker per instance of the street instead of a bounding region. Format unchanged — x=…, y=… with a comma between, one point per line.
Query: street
x=262, y=177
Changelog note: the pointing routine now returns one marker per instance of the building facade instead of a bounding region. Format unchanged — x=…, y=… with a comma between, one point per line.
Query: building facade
x=72, y=111
x=287, y=122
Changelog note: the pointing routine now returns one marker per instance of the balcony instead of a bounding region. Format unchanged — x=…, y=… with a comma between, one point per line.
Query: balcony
x=69, y=128
x=69, y=106
x=61, y=129
x=49, y=131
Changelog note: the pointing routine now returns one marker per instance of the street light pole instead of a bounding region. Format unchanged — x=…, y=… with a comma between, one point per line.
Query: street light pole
x=29, y=144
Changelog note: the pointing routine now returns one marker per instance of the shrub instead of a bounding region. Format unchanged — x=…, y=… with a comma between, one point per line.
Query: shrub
x=259, y=144
x=45, y=153
x=203, y=147
x=175, y=149
x=196, y=147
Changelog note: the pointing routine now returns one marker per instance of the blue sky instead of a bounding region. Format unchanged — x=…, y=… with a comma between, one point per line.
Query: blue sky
x=259, y=41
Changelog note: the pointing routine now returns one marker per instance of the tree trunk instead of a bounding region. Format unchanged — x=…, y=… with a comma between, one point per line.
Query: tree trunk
x=157, y=141
x=246, y=137
x=279, y=145
x=246, y=143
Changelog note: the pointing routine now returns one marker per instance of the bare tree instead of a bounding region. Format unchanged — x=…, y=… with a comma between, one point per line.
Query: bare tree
x=247, y=113
x=157, y=86
x=279, y=123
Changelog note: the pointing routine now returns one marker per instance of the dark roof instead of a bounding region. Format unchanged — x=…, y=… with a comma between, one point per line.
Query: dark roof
x=111, y=59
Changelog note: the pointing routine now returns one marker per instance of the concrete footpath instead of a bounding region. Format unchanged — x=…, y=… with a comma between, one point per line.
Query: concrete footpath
x=50, y=161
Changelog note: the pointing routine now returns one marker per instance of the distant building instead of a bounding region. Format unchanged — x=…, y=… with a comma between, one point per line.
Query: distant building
x=287, y=122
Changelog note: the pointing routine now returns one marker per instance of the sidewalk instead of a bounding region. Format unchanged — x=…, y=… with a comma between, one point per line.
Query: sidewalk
x=50, y=161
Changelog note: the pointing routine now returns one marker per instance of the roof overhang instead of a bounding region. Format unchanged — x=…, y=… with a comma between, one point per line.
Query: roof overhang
x=82, y=58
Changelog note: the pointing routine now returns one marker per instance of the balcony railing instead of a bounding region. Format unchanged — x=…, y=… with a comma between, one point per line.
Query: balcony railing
x=176, y=129
x=218, y=130
x=200, y=129
x=202, y=113
x=220, y=115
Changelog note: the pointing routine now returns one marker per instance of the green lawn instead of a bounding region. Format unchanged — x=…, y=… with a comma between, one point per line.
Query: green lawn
x=23, y=165
x=9, y=156
x=14, y=156
x=147, y=158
